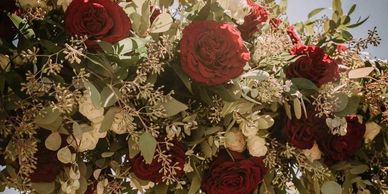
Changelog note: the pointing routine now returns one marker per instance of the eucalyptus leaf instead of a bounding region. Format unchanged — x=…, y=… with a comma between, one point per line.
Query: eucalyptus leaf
x=64, y=155
x=109, y=96
x=108, y=119
x=315, y=12
x=304, y=84
x=53, y=141
x=94, y=94
x=195, y=184
x=331, y=187
x=43, y=187
x=360, y=72
x=147, y=146
x=351, y=107
x=47, y=116
x=162, y=23
x=173, y=107
x=359, y=169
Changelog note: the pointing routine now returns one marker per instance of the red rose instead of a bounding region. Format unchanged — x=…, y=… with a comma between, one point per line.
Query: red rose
x=313, y=64
x=275, y=23
x=98, y=19
x=338, y=148
x=252, y=22
x=7, y=30
x=212, y=52
x=229, y=176
x=153, y=172
x=341, y=48
x=301, y=133
x=48, y=166
x=293, y=36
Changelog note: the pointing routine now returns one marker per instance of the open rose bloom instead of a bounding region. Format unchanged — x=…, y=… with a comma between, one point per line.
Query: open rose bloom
x=189, y=96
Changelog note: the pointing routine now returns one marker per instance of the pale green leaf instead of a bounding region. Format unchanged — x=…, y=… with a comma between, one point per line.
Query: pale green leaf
x=360, y=72
x=108, y=119
x=109, y=96
x=95, y=95
x=173, y=107
x=302, y=83
x=162, y=23
x=297, y=108
x=315, y=12
x=47, y=116
x=331, y=187
x=195, y=184
x=64, y=155
x=43, y=187
x=359, y=169
x=147, y=146
x=53, y=141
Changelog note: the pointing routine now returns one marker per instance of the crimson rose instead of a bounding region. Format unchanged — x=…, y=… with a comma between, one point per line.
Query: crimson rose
x=301, y=132
x=252, y=22
x=212, y=52
x=313, y=64
x=153, y=172
x=229, y=176
x=8, y=29
x=338, y=148
x=98, y=19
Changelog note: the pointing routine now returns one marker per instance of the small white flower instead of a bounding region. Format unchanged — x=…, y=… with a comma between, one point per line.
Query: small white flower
x=234, y=140
x=256, y=146
x=337, y=125
x=314, y=153
x=372, y=130
x=87, y=108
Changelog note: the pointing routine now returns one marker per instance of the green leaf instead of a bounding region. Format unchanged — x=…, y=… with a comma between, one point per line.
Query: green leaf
x=351, y=107
x=182, y=76
x=173, y=107
x=360, y=72
x=315, y=12
x=108, y=119
x=109, y=96
x=162, y=23
x=342, y=101
x=359, y=169
x=53, y=141
x=256, y=74
x=358, y=23
x=161, y=188
x=47, y=116
x=43, y=188
x=195, y=183
x=147, y=146
x=22, y=25
x=107, y=154
x=229, y=94
x=106, y=47
x=347, y=35
x=337, y=6
x=95, y=95
x=304, y=84
x=351, y=10
x=297, y=108
x=331, y=187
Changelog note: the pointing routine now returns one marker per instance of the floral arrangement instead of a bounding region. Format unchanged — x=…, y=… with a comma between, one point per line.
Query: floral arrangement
x=189, y=96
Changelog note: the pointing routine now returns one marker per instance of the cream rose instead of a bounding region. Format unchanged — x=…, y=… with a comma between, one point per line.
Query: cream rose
x=87, y=108
x=256, y=146
x=372, y=129
x=249, y=128
x=234, y=140
x=64, y=4
x=32, y=3
x=314, y=153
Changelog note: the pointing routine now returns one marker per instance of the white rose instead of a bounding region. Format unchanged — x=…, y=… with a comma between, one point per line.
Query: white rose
x=234, y=140
x=4, y=62
x=32, y=3
x=249, y=128
x=85, y=141
x=87, y=108
x=64, y=4
x=371, y=131
x=120, y=124
x=256, y=146
x=314, y=153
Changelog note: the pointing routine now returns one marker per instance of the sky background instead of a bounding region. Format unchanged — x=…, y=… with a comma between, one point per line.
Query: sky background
x=377, y=10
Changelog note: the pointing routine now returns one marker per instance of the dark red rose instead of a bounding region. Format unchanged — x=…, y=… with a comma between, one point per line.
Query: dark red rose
x=253, y=20
x=212, y=52
x=313, y=64
x=98, y=19
x=301, y=133
x=152, y=172
x=230, y=176
x=7, y=29
x=293, y=35
x=338, y=148
x=275, y=23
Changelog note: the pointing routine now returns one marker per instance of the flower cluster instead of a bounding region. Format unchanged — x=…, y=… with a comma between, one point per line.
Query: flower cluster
x=191, y=96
